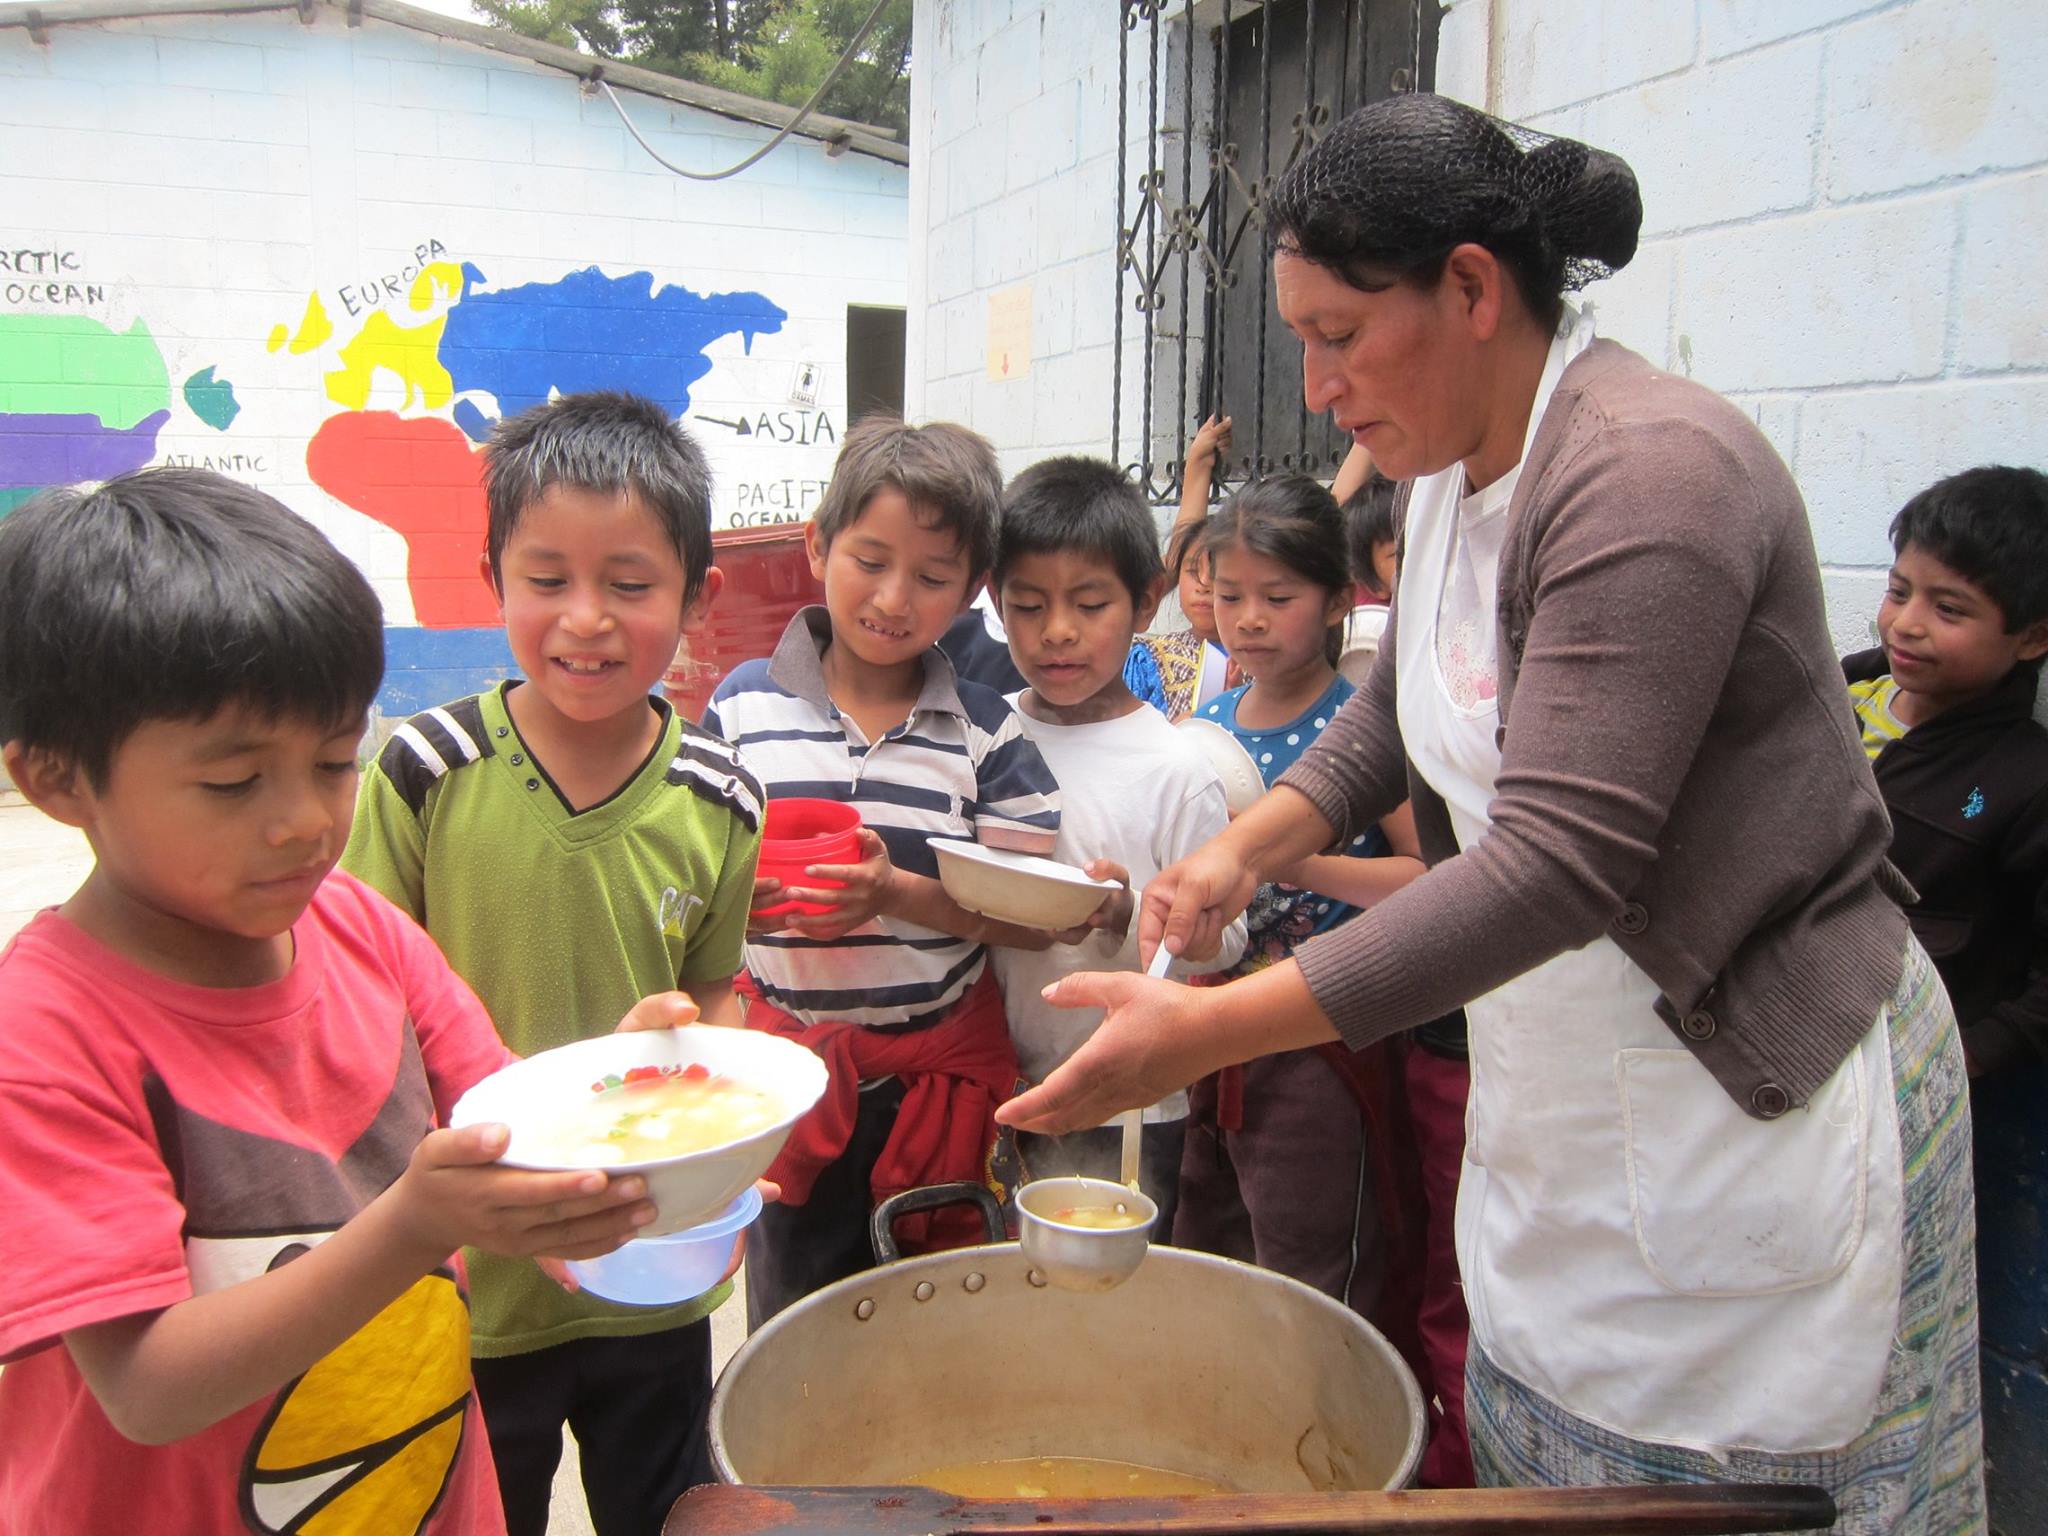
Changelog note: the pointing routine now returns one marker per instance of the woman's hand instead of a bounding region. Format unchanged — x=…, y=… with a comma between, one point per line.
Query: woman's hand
x=1153, y=1041
x=1156, y=1037
x=1189, y=904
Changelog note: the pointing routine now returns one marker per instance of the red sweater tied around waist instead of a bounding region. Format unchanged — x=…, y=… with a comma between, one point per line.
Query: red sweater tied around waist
x=954, y=1075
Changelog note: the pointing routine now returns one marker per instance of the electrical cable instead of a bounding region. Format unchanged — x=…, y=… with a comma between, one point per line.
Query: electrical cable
x=790, y=127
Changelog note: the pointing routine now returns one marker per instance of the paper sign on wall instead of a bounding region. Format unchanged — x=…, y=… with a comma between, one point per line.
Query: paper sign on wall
x=1009, y=332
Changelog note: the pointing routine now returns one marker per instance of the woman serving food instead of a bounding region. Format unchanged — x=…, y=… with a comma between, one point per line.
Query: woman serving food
x=1714, y=1218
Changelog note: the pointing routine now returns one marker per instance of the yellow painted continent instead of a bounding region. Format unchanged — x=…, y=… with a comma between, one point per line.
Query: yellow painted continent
x=314, y=326
x=445, y=276
x=411, y=352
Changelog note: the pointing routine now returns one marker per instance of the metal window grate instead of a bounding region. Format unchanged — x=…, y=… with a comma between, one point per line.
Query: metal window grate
x=1250, y=88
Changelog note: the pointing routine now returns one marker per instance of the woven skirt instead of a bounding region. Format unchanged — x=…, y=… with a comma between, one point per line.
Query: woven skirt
x=1917, y=1470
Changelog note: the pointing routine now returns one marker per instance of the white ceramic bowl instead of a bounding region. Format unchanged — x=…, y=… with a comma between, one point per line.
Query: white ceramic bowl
x=686, y=1190
x=1234, y=766
x=1016, y=887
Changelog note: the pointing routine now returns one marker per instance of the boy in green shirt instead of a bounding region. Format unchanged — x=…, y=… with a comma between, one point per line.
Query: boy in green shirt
x=570, y=842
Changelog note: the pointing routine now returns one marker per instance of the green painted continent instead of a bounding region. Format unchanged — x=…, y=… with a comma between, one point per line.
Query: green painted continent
x=66, y=365
x=212, y=400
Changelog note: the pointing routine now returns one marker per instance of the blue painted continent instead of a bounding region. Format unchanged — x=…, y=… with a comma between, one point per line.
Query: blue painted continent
x=588, y=331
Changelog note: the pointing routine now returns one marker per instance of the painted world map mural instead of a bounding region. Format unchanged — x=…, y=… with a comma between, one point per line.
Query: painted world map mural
x=378, y=394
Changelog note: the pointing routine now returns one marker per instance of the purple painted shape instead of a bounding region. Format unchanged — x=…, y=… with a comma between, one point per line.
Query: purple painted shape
x=58, y=450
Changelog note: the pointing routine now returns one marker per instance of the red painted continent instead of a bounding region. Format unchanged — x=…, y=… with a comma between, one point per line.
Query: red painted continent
x=421, y=478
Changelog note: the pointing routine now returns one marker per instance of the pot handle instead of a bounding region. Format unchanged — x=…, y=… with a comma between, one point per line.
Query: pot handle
x=882, y=1225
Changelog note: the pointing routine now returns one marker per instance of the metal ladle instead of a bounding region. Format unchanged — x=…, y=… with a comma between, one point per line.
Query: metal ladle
x=1133, y=1120
x=1077, y=1258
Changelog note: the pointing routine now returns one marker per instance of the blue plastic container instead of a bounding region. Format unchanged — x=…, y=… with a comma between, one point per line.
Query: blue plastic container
x=661, y=1271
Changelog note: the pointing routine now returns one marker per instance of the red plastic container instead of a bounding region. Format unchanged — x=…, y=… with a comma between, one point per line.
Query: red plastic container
x=799, y=833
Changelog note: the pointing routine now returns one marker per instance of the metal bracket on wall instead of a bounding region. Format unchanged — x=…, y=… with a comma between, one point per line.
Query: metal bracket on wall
x=355, y=13
x=308, y=9
x=38, y=29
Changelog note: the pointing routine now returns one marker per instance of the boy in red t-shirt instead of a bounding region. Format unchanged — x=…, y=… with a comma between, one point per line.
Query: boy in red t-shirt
x=230, y=1210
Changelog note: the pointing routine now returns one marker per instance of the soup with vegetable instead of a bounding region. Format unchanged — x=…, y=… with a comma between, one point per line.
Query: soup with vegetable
x=1104, y=1216
x=651, y=1113
x=1063, y=1477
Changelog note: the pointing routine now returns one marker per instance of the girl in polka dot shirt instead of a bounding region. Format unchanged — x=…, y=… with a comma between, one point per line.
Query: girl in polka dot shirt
x=1288, y=1158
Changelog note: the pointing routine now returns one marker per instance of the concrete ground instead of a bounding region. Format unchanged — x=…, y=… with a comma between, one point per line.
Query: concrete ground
x=43, y=862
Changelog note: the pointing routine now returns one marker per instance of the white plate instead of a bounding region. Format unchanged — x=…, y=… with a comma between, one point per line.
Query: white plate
x=1242, y=784
x=1016, y=888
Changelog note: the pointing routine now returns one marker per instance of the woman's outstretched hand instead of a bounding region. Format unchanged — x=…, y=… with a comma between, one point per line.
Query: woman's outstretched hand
x=1189, y=904
x=1152, y=1041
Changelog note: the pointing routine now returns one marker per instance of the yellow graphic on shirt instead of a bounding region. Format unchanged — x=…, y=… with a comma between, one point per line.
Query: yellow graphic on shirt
x=365, y=1440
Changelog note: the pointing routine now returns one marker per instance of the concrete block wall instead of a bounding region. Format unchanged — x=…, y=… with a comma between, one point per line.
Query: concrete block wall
x=323, y=259
x=1014, y=182
x=1844, y=201
x=1844, y=204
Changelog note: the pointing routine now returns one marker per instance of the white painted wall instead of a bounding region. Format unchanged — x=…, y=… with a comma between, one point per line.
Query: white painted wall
x=1845, y=203
x=210, y=176
x=1013, y=141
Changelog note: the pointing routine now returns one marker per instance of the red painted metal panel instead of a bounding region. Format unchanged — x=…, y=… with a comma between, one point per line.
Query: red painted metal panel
x=767, y=579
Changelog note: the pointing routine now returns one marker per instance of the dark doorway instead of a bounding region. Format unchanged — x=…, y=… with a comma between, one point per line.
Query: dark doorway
x=874, y=360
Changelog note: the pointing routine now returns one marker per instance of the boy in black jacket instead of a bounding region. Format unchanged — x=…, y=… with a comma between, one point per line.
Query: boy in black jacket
x=1946, y=709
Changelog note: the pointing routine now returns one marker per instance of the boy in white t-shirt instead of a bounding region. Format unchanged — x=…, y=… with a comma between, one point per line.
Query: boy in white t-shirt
x=1077, y=573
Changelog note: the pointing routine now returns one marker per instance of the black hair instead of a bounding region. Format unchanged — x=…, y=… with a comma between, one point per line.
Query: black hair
x=1990, y=526
x=1292, y=519
x=946, y=472
x=611, y=443
x=1397, y=185
x=1082, y=506
x=1188, y=541
x=1369, y=522
x=170, y=594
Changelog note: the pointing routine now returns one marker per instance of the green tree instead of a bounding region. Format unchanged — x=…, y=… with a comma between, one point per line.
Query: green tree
x=776, y=50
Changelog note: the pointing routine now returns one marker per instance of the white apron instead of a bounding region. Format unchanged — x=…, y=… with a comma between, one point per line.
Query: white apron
x=1633, y=1245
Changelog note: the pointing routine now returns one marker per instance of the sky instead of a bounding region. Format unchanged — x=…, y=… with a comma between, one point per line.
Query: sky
x=459, y=9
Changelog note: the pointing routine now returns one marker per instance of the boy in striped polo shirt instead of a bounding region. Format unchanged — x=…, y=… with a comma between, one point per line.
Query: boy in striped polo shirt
x=890, y=984
x=571, y=844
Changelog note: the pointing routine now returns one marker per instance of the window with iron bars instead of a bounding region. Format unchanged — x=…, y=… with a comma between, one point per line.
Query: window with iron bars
x=1231, y=93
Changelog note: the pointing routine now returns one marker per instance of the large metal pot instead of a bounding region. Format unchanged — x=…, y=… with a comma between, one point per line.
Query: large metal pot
x=1196, y=1364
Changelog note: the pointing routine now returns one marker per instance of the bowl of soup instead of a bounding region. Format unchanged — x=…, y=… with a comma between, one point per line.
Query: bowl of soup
x=698, y=1112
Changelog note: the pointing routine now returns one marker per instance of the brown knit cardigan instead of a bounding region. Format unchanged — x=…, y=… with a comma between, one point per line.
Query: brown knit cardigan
x=1679, y=766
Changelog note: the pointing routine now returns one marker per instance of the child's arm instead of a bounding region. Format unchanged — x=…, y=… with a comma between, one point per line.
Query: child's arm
x=2013, y=1035
x=1211, y=442
x=1361, y=882
x=1352, y=473
x=1112, y=920
x=876, y=887
x=163, y=1375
